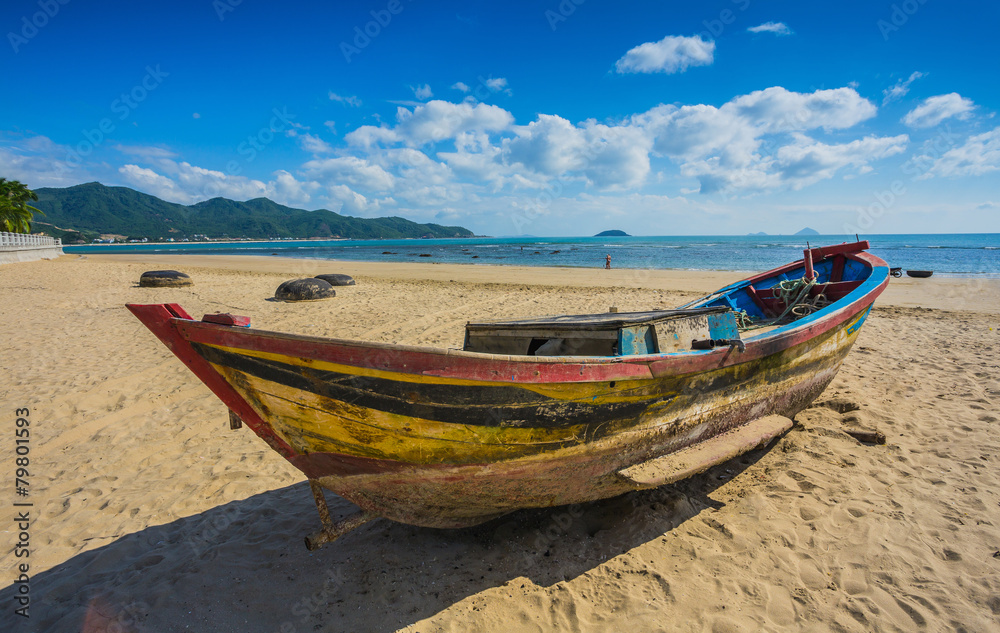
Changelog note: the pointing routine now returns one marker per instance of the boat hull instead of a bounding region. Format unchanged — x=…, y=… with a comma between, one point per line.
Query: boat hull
x=450, y=496
x=445, y=438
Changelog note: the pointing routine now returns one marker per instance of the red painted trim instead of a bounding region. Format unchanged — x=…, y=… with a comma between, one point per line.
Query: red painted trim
x=835, y=290
x=847, y=248
x=413, y=360
x=161, y=320
x=837, y=273
x=468, y=366
x=756, y=298
x=517, y=369
x=819, y=254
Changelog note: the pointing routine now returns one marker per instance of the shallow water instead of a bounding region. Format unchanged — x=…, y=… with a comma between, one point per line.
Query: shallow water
x=948, y=254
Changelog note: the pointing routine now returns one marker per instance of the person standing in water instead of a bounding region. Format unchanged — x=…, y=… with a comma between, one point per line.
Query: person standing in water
x=607, y=262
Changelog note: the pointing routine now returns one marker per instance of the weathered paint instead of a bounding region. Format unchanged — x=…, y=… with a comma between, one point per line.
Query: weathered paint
x=446, y=438
x=723, y=326
x=857, y=324
x=634, y=340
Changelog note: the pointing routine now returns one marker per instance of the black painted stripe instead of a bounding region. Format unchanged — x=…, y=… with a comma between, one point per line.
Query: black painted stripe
x=489, y=406
x=511, y=406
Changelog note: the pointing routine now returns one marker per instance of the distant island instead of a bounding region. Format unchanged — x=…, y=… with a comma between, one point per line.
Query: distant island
x=613, y=233
x=805, y=231
x=83, y=213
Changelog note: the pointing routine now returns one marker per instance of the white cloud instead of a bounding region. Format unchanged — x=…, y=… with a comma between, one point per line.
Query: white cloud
x=153, y=183
x=414, y=165
x=722, y=147
x=423, y=92
x=618, y=156
x=209, y=183
x=352, y=100
x=147, y=152
x=343, y=199
x=550, y=145
x=498, y=84
x=351, y=170
x=719, y=146
x=37, y=161
x=778, y=28
x=440, y=120
x=672, y=54
x=368, y=136
x=314, y=144
x=185, y=183
x=478, y=160
x=794, y=166
x=460, y=86
x=188, y=184
x=900, y=88
x=730, y=136
x=806, y=161
x=195, y=116
x=610, y=157
x=432, y=122
x=332, y=126
x=694, y=131
x=936, y=109
x=979, y=155
x=285, y=189
x=779, y=110
x=440, y=160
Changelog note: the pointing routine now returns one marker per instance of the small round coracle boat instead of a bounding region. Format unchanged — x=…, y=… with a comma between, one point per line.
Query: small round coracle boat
x=919, y=273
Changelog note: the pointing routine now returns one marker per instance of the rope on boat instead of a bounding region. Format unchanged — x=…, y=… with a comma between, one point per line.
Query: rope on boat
x=743, y=320
x=794, y=293
x=801, y=304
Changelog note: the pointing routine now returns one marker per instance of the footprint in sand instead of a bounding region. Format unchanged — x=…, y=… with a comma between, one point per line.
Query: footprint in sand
x=808, y=514
x=780, y=607
x=853, y=581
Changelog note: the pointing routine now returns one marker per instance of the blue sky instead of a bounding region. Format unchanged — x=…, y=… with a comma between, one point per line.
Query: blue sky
x=545, y=118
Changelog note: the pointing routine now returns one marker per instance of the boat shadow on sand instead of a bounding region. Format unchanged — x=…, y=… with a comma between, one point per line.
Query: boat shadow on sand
x=243, y=564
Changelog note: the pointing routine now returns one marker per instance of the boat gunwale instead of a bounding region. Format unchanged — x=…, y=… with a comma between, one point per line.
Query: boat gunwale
x=827, y=317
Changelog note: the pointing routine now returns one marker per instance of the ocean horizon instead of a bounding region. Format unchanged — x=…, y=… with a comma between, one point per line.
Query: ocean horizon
x=959, y=254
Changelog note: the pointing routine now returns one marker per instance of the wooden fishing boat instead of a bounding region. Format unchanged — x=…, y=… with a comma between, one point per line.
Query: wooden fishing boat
x=538, y=412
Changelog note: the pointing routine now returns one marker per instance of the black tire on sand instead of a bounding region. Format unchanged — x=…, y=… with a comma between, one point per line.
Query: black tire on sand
x=164, y=279
x=337, y=279
x=310, y=289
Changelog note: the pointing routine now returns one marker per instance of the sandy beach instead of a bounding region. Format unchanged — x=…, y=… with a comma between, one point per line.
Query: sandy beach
x=149, y=514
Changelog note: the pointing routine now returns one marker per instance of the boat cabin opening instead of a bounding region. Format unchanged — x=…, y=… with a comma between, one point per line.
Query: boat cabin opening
x=608, y=334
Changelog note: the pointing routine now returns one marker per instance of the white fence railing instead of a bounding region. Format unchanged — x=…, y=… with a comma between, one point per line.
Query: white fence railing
x=18, y=241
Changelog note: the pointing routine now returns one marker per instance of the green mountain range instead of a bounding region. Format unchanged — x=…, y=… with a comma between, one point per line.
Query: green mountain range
x=84, y=211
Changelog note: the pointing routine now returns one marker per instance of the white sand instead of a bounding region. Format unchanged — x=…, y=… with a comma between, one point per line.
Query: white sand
x=151, y=515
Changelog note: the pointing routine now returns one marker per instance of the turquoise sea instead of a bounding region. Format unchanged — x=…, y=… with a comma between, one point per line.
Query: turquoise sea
x=947, y=254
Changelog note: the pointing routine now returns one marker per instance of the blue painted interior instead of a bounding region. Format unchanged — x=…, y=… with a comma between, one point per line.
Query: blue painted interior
x=737, y=298
x=723, y=326
x=635, y=340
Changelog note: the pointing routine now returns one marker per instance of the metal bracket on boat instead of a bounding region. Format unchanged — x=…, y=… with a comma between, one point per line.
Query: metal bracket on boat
x=709, y=343
x=332, y=531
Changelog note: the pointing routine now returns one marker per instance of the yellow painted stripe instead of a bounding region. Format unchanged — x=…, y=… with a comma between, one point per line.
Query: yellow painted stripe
x=352, y=370
x=313, y=423
x=587, y=391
